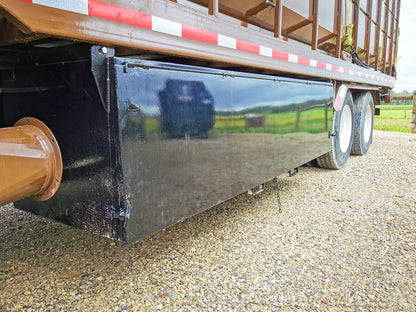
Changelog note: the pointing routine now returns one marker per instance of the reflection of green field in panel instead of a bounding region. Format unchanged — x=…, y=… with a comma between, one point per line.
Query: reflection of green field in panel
x=394, y=118
x=311, y=121
x=152, y=126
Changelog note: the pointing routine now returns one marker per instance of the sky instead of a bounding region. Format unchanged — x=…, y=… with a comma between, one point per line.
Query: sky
x=406, y=66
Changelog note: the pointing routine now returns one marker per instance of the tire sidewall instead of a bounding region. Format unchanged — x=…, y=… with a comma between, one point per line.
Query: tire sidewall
x=362, y=103
x=341, y=157
x=368, y=101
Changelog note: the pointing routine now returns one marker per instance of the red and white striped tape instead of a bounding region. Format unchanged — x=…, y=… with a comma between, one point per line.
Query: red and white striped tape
x=342, y=91
x=119, y=14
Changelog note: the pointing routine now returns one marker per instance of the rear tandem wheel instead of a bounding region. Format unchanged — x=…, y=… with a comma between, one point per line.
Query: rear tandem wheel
x=342, y=138
x=363, y=120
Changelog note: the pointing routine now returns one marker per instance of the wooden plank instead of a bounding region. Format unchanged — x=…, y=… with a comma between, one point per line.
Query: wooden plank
x=325, y=38
x=256, y=9
x=297, y=26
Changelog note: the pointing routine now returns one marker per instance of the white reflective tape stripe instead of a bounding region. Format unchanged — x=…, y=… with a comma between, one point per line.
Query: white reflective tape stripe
x=341, y=69
x=228, y=42
x=20, y=150
x=77, y=6
x=342, y=91
x=328, y=66
x=313, y=63
x=351, y=72
x=167, y=27
x=293, y=58
x=266, y=51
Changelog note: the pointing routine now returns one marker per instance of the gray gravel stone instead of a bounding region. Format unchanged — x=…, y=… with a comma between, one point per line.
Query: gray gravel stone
x=345, y=241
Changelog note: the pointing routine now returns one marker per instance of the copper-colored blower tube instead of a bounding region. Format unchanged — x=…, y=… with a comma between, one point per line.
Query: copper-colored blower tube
x=30, y=162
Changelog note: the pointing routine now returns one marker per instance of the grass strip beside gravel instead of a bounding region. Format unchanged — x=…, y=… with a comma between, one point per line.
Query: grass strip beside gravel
x=394, y=118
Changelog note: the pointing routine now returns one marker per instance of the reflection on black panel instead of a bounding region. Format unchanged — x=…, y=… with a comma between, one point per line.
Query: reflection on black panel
x=232, y=131
x=186, y=109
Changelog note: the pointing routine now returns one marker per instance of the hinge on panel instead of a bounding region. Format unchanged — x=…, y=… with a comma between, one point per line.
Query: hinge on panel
x=331, y=134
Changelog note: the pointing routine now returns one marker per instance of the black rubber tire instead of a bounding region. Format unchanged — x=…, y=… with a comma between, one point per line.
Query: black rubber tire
x=363, y=123
x=341, y=142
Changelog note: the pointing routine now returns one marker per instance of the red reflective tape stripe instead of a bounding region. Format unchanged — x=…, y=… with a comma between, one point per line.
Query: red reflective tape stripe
x=104, y=10
x=339, y=102
x=303, y=60
x=248, y=47
x=280, y=55
x=321, y=65
x=118, y=14
x=199, y=34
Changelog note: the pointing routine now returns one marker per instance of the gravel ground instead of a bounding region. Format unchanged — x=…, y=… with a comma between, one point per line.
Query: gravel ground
x=345, y=241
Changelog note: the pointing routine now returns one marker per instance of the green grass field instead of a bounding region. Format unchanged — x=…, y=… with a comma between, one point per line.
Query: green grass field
x=394, y=118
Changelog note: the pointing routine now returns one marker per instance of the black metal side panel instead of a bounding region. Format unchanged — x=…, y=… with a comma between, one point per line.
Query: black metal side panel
x=64, y=96
x=193, y=137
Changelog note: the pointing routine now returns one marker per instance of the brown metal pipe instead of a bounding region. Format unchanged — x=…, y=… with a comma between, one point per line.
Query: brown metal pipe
x=30, y=162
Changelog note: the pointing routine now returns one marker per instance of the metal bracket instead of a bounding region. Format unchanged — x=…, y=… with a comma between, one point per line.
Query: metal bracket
x=295, y=172
x=102, y=59
x=331, y=134
x=256, y=192
x=279, y=203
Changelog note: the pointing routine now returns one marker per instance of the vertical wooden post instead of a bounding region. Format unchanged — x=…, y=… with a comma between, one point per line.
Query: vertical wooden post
x=414, y=113
x=390, y=39
x=278, y=19
x=356, y=15
x=385, y=34
x=368, y=31
x=213, y=7
x=396, y=34
x=315, y=26
x=378, y=29
x=338, y=27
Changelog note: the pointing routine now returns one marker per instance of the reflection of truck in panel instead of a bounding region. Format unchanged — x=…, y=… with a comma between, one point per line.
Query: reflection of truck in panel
x=186, y=108
x=99, y=74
